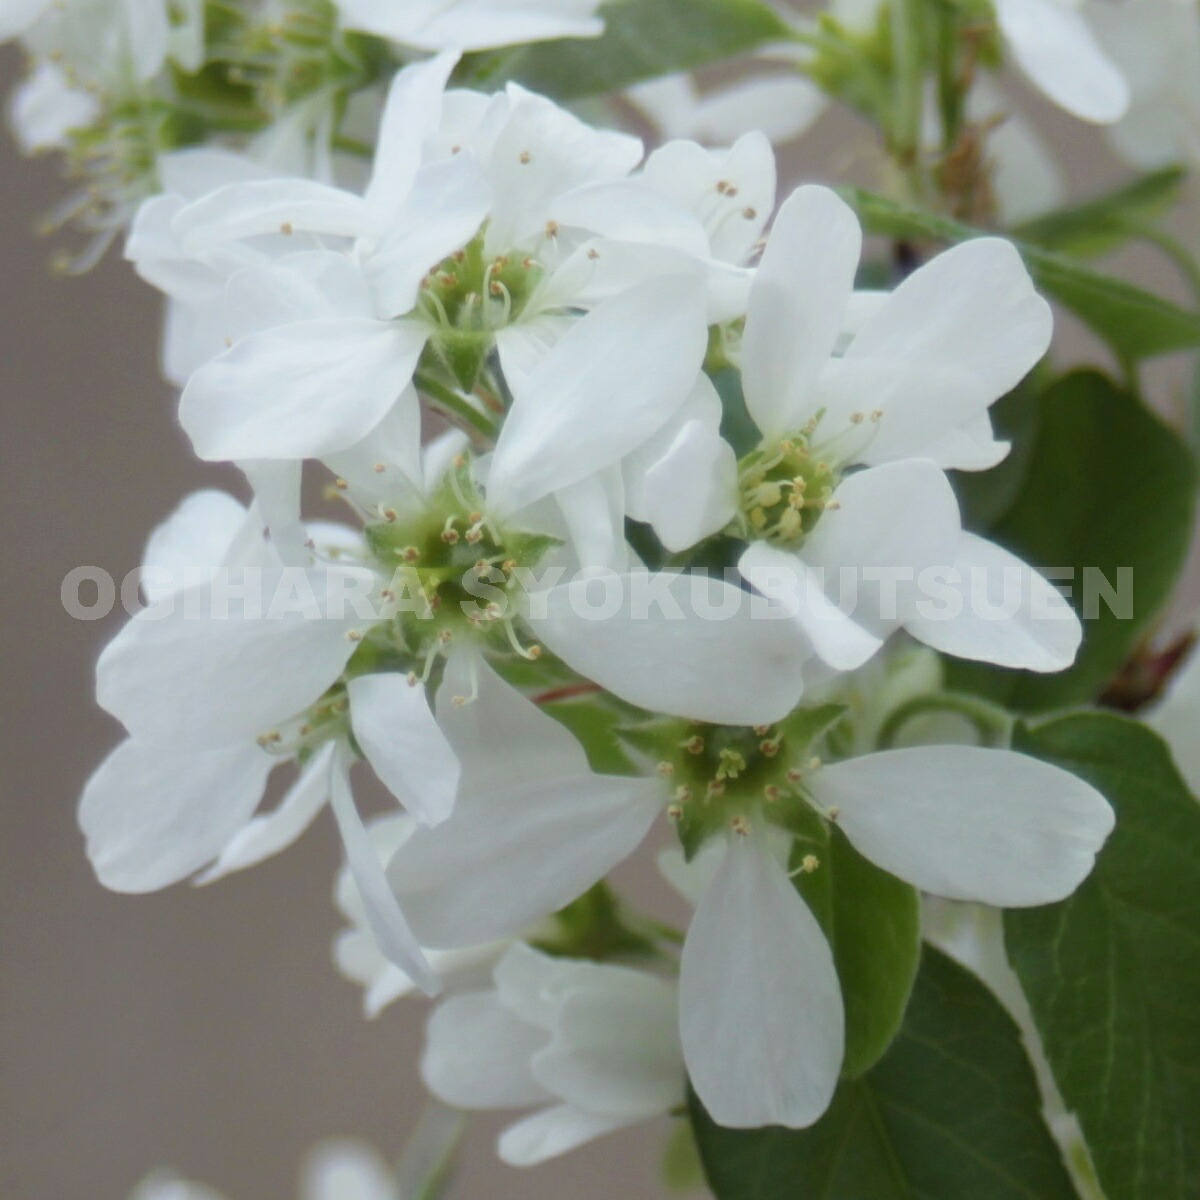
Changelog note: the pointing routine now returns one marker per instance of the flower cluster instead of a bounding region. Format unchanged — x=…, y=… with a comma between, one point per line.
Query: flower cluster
x=595, y=498
x=587, y=524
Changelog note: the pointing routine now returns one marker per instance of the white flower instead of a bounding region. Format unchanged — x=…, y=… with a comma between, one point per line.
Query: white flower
x=214, y=697
x=731, y=193
x=781, y=106
x=472, y=24
x=903, y=400
x=760, y=1010
x=1055, y=46
x=768, y=1051
x=357, y=954
x=529, y=214
x=45, y=107
x=94, y=40
x=1156, y=43
x=593, y=1046
x=344, y=1169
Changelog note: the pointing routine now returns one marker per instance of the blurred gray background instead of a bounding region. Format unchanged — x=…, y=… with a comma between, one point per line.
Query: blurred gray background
x=201, y=1028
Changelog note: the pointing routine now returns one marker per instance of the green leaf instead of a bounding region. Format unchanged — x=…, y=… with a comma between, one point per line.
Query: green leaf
x=1113, y=974
x=873, y=923
x=594, y=724
x=952, y=1112
x=1137, y=324
x=642, y=39
x=1109, y=489
x=1104, y=224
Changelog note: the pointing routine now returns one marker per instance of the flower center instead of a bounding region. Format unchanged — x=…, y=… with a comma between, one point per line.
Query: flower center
x=728, y=777
x=467, y=297
x=302, y=735
x=454, y=574
x=784, y=489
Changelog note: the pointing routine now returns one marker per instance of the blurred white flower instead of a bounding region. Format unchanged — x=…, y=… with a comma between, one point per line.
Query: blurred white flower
x=343, y=1169
x=357, y=954
x=1156, y=43
x=472, y=24
x=594, y=1047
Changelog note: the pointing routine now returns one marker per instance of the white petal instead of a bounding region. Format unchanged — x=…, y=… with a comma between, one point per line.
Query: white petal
x=394, y=444
x=202, y=671
x=1055, y=47
x=268, y=834
x=44, y=108
x=760, y=1006
x=779, y=107
x=477, y=1054
x=485, y=24
x=395, y=728
x=796, y=304
x=552, y=1132
x=190, y=545
x=444, y=211
x=615, y=1046
x=704, y=405
x=838, y=639
x=346, y=1170
x=18, y=15
x=255, y=207
x=614, y=379
x=151, y=817
x=542, y=152
x=971, y=447
x=594, y=512
x=1007, y=614
x=629, y=211
x=383, y=915
x=691, y=492
x=899, y=517
x=681, y=644
x=410, y=115
x=502, y=739
x=510, y=856
x=196, y=171
x=969, y=823
x=300, y=391
x=523, y=345
x=732, y=191
x=953, y=338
